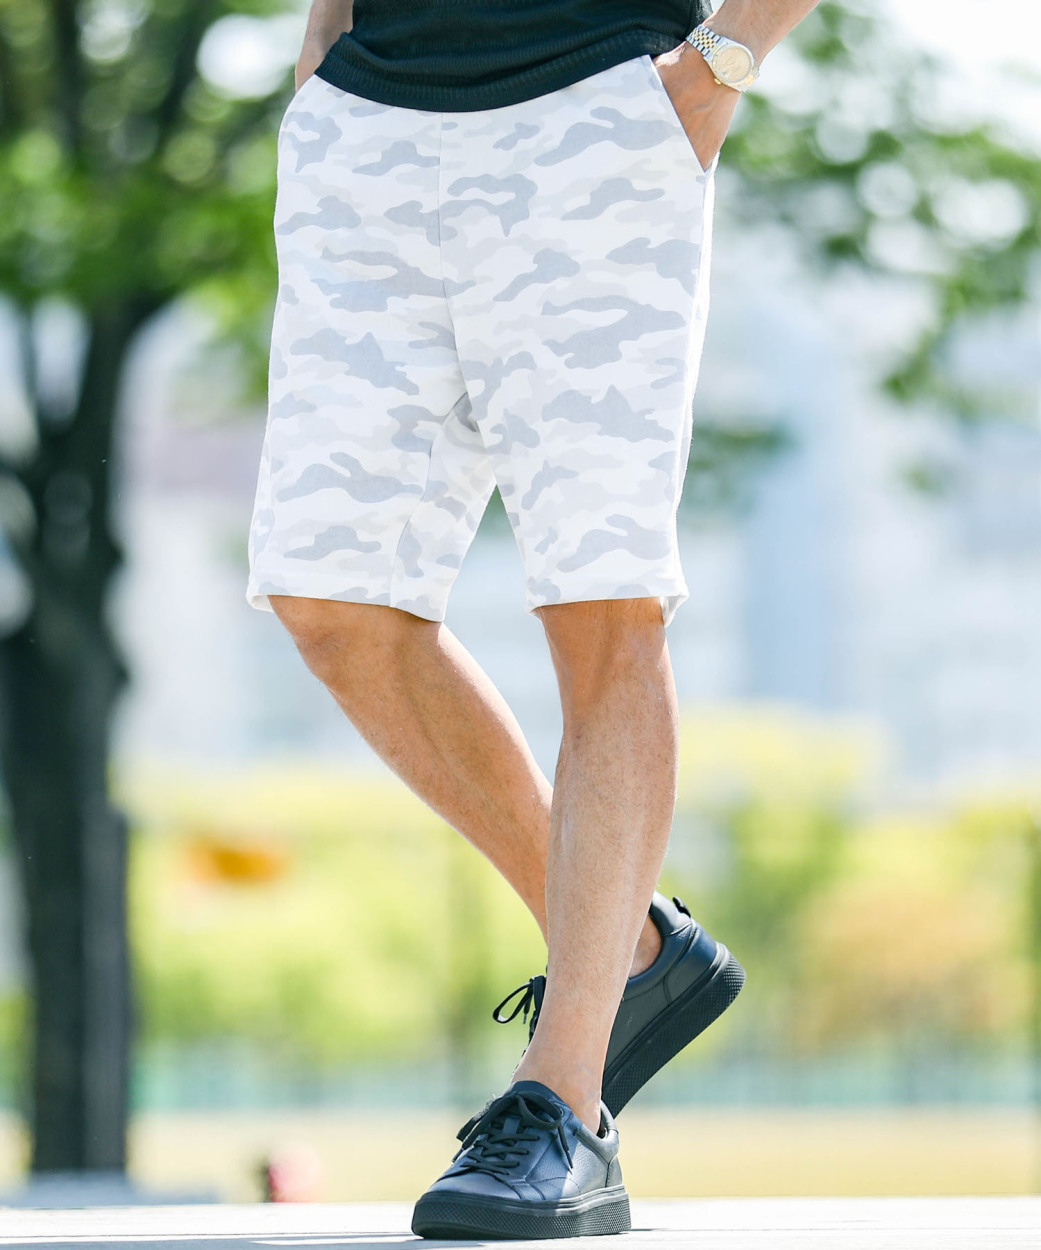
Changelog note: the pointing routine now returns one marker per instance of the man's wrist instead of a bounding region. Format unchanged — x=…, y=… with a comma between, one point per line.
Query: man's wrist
x=697, y=65
x=741, y=21
x=739, y=35
x=727, y=62
x=759, y=24
x=312, y=54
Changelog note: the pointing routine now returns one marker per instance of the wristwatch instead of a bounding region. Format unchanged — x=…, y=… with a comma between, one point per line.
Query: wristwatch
x=731, y=63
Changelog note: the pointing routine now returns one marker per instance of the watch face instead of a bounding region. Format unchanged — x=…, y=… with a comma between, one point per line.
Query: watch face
x=732, y=64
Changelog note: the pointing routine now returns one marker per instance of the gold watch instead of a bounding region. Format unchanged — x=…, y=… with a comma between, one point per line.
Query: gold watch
x=731, y=63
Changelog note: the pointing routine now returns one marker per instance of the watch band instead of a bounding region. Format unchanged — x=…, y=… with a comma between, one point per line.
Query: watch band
x=709, y=43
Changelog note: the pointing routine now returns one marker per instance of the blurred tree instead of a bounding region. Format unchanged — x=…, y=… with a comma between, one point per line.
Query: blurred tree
x=767, y=799
x=127, y=180
x=862, y=152
x=866, y=154
x=913, y=933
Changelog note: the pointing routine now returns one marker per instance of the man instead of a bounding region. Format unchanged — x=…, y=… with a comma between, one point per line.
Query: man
x=493, y=225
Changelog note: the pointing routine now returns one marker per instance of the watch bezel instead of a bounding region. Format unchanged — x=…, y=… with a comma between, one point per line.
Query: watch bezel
x=728, y=50
x=712, y=45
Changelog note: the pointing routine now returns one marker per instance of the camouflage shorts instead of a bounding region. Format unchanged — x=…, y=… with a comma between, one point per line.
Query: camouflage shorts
x=512, y=297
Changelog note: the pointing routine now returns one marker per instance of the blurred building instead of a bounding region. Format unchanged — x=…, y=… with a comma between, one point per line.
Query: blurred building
x=864, y=589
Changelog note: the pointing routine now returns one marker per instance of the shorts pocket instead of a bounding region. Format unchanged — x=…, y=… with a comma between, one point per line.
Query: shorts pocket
x=669, y=110
x=305, y=88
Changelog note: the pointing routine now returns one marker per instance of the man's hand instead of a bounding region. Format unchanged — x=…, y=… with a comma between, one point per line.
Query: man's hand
x=311, y=56
x=704, y=106
x=326, y=22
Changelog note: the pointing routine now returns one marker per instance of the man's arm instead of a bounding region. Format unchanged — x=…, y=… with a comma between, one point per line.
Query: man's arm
x=758, y=24
x=326, y=22
x=705, y=107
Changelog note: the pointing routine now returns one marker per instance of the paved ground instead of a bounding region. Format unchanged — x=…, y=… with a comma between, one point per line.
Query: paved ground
x=708, y=1224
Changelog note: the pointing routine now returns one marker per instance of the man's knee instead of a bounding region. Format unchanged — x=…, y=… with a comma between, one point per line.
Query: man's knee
x=604, y=636
x=329, y=633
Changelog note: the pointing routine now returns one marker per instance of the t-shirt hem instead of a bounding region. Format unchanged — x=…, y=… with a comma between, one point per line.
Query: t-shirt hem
x=390, y=85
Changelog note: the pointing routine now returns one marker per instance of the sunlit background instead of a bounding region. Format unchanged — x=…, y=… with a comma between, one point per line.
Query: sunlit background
x=316, y=956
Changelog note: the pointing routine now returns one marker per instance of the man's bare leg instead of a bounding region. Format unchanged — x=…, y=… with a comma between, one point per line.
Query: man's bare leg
x=425, y=706
x=611, y=815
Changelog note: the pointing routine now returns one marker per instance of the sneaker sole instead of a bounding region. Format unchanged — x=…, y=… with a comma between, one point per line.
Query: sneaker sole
x=457, y=1216
x=672, y=1030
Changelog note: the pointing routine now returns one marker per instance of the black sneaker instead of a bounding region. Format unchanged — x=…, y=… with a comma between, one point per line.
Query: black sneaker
x=691, y=983
x=528, y=1167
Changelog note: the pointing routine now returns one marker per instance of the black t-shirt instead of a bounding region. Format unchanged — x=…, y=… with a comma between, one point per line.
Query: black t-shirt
x=459, y=55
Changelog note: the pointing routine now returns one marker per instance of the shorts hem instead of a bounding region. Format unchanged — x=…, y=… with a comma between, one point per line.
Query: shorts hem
x=259, y=598
x=670, y=594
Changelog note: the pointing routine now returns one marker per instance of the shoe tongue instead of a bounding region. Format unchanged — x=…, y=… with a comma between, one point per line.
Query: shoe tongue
x=536, y=1087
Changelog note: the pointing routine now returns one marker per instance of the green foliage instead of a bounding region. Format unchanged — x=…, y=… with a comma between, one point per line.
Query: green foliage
x=858, y=163
x=126, y=176
x=14, y=1010
x=919, y=943
x=364, y=930
x=861, y=923
x=349, y=926
x=767, y=802
x=725, y=459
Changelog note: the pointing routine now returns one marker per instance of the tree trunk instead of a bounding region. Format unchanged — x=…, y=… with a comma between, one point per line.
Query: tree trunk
x=73, y=853
x=61, y=676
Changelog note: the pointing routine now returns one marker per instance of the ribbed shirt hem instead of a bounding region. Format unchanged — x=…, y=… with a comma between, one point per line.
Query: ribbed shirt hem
x=352, y=68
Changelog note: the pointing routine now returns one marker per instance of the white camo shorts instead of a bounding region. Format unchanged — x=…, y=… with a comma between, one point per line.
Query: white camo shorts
x=512, y=297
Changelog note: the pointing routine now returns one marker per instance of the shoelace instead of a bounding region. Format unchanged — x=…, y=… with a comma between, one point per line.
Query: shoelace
x=530, y=995
x=494, y=1140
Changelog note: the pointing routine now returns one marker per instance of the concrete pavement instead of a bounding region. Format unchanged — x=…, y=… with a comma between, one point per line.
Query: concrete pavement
x=705, y=1224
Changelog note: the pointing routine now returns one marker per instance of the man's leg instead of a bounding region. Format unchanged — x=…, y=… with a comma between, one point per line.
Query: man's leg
x=611, y=815
x=429, y=711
